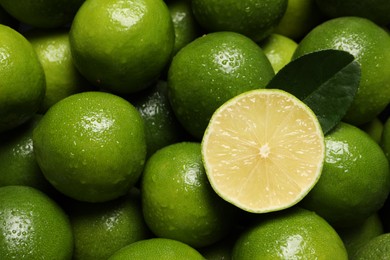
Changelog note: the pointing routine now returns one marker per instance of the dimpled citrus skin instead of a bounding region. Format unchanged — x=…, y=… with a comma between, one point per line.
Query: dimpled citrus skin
x=355, y=179
x=120, y=45
x=376, y=248
x=100, y=229
x=43, y=13
x=62, y=78
x=178, y=201
x=32, y=226
x=370, y=45
x=22, y=85
x=209, y=71
x=91, y=146
x=291, y=234
x=157, y=248
x=253, y=18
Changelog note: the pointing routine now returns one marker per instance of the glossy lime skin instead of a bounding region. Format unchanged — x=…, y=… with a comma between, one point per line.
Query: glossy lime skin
x=157, y=248
x=91, y=146
x=209, y=71
x=178, y=201
x=32, y=226
x=370, y=45
x=62, y=78
x=17, y=160
x=355, y=180
x=44, y=13
x=122, y=46
x=100, y=229
x=292, y=234
x=376, y=248
x=22, y=85
x=253, y=18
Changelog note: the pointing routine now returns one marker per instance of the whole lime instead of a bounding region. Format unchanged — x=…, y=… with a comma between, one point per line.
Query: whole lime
x=209, y=71
x=101, y=229
x=178, y=201
x=91, y=146
x=122, y=46
x=370, y=45
x=43, y=13
x=22, y=85
x=376, y=248
x=255, y=19
x=32, y=226
x=157, y=248
x=355, y=179
x=62, y=78
x=291, y=234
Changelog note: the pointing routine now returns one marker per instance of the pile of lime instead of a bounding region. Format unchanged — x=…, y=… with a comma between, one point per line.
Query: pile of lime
x=194, y=129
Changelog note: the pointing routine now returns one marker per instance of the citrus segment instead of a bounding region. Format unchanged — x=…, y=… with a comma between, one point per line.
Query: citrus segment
x=263, y=150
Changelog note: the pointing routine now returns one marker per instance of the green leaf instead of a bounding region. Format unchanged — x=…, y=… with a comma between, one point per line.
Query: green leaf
x=327, y=81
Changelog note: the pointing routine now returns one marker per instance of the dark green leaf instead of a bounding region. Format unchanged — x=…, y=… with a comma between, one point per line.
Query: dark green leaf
x=327, y=81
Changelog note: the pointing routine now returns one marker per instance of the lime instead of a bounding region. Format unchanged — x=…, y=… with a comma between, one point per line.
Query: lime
x=300, y=17
x=62, y=78
x=161, y=125
x=370, y=45
x=209, y=71
x=376, y=248
x=375, y=10
x=279, y=50
x=101, y=229
x=43, y=13
x=255, y=19
x=122, y=46
x=157, y=248
x=178, y=202
x=263, y=150
x=22, y=84
x=91, y=146
x=186, y=27
x=7, y=19
x=385, y=139
x=374, y=128
x=32, y=226
x=357, y=236
x=17, y=160
x=290, y=234
x=355, y=180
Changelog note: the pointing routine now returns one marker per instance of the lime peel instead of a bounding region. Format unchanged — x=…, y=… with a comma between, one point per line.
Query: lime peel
x=263, y=150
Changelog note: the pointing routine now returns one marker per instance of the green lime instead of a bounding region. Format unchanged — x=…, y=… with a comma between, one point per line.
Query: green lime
x=357, y=236
x=178, y=201
x=157, y=248
x=17, y=160
x=385, y=139
x=209, y=71
x=101, y=229
x=186, y=27
x=91, y=146
x=43, y=13
x=161, y=125
x=279, y=50
x=300, y=17
x=7, y=19
x=122, y=46
x=32, y=226
x=370, y=45
x=19, y=67
x=374, y=128
x=290, y=234
x=376, y=248
x=355, y=179
x=255, y=19
x=375, y=10
x=62, y=78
